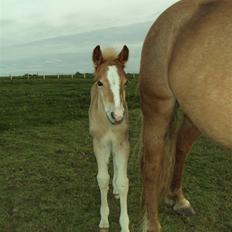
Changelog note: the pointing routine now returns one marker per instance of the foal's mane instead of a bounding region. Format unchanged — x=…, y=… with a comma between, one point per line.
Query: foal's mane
x=109, y=54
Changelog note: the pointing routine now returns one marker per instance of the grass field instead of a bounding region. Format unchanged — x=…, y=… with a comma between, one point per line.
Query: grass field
x=48, y=170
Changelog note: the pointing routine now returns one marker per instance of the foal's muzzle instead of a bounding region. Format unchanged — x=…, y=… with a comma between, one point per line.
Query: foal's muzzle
x=116, y=116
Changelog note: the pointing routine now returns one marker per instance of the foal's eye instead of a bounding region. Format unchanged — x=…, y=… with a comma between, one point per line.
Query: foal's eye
x=126, y=83
x=99, y=83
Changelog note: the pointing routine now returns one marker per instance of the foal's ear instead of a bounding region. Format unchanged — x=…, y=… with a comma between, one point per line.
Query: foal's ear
x=97, y=56
x=123, y=55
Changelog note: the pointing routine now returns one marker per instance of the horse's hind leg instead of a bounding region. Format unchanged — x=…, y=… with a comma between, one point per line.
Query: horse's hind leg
x=187, y=134
x=102, y=153
x=158, y=114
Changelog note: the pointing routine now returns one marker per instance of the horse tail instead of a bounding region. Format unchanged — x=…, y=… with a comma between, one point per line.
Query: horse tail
x=168, y=161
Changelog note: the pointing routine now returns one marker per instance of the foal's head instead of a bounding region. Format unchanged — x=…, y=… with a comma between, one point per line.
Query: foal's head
x=111, y=81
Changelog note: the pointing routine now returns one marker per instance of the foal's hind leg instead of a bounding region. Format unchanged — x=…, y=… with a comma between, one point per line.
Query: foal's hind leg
x=102, y=153
x=187, y=134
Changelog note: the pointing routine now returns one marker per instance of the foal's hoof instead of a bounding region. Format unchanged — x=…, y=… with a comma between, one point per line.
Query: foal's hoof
x=184, y=209
x=116, y=195
x=104, y=230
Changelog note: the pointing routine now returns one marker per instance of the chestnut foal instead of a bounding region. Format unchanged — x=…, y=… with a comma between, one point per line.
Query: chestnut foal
x=108, y=122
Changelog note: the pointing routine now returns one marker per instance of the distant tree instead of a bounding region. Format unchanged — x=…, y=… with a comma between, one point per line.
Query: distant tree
x=28, y=75
x=78, y=74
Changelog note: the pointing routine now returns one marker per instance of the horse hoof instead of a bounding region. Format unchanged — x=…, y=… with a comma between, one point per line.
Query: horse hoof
x=104, y=230
x=184, y=208
x=186, y=211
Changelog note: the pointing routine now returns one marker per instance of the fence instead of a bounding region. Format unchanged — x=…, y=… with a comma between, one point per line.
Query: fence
x=59, y=76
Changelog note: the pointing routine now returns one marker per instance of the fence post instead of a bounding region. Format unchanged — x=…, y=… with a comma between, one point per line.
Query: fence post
x=11, y=77
x=28, y=76
x=44, y=76
x=134, y=75
x=72, y=76
x=84, y=75
x=58, y=76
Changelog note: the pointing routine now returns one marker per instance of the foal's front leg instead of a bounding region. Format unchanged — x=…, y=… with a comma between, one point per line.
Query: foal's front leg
x=115, y=188
x=102, y=153
x=120, y=158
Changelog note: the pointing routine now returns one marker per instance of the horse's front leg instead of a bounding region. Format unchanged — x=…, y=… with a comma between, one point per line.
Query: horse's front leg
x=102, y=153
x=120, y=158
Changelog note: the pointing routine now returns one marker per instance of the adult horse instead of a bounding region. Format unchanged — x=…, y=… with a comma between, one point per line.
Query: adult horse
x=186, y=58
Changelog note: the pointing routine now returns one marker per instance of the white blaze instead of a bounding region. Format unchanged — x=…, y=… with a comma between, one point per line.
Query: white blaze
x=114, y=81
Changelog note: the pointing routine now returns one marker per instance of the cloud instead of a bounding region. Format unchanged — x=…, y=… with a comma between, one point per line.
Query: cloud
x=53, y=61
x=72, y=53
x=36, y=34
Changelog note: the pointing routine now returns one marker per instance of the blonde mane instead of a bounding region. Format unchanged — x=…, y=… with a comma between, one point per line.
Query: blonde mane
x=109, y=54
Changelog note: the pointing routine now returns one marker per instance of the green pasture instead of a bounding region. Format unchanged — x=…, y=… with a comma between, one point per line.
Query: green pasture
x=48, y=169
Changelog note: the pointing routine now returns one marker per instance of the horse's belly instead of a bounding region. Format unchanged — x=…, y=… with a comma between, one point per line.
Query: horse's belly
x=210, y=118
x=200, y=74
x=206, y=97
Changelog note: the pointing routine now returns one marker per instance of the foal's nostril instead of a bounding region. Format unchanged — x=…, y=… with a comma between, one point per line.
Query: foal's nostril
x=112, y=115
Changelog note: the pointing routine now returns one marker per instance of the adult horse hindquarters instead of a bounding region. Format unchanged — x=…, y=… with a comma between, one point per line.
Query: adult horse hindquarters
x=186, y=57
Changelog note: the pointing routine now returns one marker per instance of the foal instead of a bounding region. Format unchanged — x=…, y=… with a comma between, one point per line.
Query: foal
x=108, y=122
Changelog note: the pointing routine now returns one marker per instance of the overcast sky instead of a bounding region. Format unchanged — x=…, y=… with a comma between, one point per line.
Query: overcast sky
x=58, y=35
